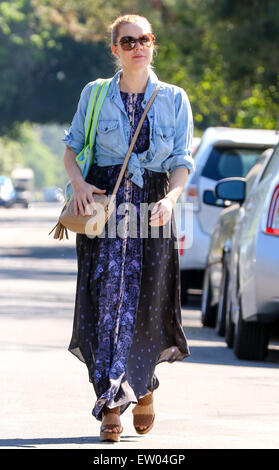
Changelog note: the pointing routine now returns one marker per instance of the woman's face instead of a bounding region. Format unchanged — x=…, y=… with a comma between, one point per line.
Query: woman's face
x=140, y=56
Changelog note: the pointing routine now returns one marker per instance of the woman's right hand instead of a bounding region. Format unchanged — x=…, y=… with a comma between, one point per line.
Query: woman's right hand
x=83, y=195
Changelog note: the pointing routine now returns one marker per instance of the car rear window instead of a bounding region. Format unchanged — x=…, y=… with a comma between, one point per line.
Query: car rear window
x=226, y=161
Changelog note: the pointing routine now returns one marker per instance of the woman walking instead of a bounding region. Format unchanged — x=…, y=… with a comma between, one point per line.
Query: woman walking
x=127, y=310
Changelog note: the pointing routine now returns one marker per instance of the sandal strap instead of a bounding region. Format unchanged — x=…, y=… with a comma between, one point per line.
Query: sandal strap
x=112, y=426
x=112, y=420
x=146, y=400
x=144, y=412
x=143, y=420
x=111, y=416
x=143, y=409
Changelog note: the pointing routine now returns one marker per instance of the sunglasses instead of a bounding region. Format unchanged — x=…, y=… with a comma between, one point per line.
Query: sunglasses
x=129, y=42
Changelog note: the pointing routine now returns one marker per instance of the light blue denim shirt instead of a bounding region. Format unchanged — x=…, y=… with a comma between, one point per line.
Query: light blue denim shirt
x=170, y=123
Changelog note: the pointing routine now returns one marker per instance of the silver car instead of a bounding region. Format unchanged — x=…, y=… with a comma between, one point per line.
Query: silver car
x=223, y=152
x=216, y=277
x=253, y=291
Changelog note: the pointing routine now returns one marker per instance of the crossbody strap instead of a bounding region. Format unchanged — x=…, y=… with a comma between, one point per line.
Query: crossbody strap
x=125, y=163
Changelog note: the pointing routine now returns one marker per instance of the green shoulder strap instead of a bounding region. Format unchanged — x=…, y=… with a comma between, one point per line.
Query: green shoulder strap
x=90, y=123
x=90, y=107
x=95, y=119
x=95, y=102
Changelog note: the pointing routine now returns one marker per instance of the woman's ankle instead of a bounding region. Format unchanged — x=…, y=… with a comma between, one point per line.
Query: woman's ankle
x=115, y=410
x=146, y=399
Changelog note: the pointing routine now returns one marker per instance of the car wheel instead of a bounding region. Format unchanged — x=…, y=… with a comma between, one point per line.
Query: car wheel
x=208, y=316
x=251, y=338
x=229, y=330
x=221, y=310
x=184, y=287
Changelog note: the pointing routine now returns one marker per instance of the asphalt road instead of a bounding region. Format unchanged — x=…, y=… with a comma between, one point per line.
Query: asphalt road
x=211, y=400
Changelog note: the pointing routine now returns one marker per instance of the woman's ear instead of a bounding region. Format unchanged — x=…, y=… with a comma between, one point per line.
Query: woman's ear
x=114, y=50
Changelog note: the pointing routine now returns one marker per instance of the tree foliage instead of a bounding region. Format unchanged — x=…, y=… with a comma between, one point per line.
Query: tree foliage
x=222, y=52
x=33, y=149
x=42, y=67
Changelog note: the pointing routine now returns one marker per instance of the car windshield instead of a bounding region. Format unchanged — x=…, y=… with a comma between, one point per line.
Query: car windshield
x=227, y=161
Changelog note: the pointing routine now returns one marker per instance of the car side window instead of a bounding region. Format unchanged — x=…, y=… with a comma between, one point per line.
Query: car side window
x=225, y=161
x=272, y=164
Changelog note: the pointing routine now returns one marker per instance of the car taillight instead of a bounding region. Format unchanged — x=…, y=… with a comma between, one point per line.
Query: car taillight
x=192, y=196
x=181, y=246
x=272, y=223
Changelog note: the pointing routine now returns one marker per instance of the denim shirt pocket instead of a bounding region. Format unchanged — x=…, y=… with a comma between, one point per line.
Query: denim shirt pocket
x=164, y=140
x=108, y=134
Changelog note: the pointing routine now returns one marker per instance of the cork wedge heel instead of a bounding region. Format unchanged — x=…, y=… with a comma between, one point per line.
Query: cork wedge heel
x=144, y=414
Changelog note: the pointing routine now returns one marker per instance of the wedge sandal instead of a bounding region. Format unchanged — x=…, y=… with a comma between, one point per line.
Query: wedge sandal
x=105, y=434
x=144, y=414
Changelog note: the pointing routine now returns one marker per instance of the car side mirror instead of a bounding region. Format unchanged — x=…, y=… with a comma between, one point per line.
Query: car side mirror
x=232, y=189
x=210, y=199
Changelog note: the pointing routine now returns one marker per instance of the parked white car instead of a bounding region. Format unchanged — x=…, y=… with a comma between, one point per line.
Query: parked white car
x=253, y=291
x=223, y=152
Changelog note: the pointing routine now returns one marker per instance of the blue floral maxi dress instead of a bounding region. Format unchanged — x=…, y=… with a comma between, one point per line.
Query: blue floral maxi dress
x=127, y=311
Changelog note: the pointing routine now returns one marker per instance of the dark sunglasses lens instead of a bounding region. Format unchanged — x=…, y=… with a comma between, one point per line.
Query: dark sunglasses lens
x=127, y=42
x=146, y=40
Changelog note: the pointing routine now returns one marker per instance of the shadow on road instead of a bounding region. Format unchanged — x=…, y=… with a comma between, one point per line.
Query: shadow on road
x=40, y=252
x=39, y=262
x=39, y=275
x=32, y=443
x=209, y=348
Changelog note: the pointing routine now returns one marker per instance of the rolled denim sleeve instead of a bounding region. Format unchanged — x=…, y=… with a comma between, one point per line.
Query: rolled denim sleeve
x=75, y=137
x=182, y=150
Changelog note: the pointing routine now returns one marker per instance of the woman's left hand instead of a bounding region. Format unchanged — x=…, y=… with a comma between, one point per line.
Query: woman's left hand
x=161, y=212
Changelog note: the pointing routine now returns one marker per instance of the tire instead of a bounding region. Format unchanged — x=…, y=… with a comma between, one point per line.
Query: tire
x=184, y=287
x=229, y=330
x=208, y=316
x=221, y=309
x=251, y=339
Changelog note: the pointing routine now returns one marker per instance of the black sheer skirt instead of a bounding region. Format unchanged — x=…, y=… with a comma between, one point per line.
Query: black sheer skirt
x=127, y=312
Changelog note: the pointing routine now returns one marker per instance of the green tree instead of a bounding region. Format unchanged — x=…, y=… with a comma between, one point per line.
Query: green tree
x=223, y=53
x=41, y=65
x=33, y=150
